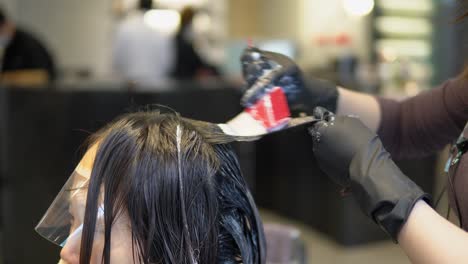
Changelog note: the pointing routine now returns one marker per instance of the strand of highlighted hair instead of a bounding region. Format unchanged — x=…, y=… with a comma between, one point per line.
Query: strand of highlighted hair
x=181, y=194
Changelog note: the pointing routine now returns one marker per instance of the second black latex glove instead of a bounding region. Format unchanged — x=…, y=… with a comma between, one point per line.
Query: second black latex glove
x=353, y=156
x=264, y=70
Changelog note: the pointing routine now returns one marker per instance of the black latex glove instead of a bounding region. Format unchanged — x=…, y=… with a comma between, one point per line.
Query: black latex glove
x=264, y=70
x=353, y=156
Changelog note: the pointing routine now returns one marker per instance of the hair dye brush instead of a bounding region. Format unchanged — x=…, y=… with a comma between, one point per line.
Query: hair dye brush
x=268, y=115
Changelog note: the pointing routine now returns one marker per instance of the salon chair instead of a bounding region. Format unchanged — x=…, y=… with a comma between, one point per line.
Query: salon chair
x=284, y=245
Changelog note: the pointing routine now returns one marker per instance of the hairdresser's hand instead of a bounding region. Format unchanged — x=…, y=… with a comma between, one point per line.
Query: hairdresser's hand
x=263, y=70
x=353, y=156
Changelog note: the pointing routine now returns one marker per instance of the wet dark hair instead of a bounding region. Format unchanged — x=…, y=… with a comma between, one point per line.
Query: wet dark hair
x=185, y=205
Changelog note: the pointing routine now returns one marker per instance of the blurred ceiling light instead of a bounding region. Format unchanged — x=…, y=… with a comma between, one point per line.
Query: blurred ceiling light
x=411, y=48
x=358, y=7
x=402, y=26
x=164, y=20
x=415, y=6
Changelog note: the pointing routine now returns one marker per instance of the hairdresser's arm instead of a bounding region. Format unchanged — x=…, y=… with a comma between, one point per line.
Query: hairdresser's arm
x=425, y=123
x=360, y=104
x=353, y=156
x=420, y=125
x=429, y=238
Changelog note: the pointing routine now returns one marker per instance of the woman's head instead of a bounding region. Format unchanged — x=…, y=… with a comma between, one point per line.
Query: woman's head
x=163, y=189
x=186, y=16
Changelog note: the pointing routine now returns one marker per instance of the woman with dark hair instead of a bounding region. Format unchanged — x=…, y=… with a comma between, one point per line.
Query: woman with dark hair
x=349, y=150
x=156, y=188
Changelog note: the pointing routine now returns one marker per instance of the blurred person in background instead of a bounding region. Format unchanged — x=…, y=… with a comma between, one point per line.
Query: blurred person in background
x=24, y=59
x=188, y=63
x=142, y=53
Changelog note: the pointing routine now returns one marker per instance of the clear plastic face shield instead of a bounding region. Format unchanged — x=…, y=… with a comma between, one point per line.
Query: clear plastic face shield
x=63, y=221
x=64, y=218
x=62, y=224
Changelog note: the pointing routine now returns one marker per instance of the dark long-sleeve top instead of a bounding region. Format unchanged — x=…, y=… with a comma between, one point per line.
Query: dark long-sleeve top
x=26, y=52
x=424, y=124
